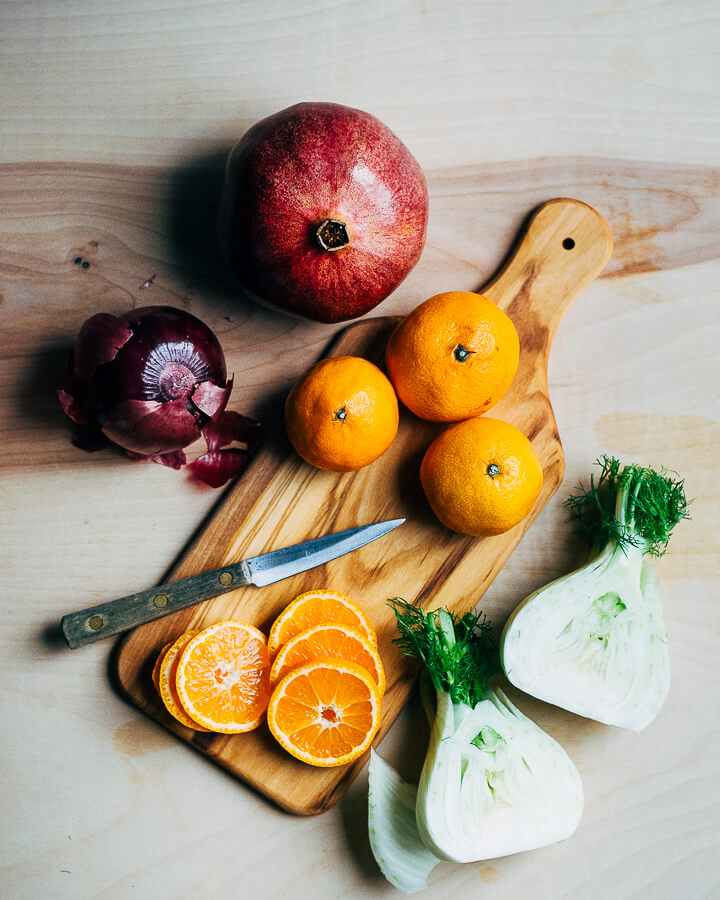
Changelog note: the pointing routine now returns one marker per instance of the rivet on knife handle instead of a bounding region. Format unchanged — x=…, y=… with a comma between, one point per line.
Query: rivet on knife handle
x=107, y=619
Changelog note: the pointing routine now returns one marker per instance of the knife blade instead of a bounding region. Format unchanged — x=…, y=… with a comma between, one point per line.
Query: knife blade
x=107, y=619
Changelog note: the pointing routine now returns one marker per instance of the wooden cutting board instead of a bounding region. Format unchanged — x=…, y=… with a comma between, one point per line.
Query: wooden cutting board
x=281, y=500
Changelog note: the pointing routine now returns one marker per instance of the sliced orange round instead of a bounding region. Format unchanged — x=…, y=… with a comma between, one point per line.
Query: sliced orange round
x=156, y=667
x=319, y=607
x=166, y=681
x=326, y=712
x=328, y=642
x=222, y=677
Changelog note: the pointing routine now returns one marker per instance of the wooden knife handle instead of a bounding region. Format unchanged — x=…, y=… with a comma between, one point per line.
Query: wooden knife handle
x=107, y=619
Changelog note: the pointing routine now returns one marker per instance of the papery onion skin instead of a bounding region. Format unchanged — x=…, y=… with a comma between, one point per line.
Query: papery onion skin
x=222, y=461
x=151, y=381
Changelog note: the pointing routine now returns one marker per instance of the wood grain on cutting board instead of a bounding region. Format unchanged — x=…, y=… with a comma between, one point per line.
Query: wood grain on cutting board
x=282, y=500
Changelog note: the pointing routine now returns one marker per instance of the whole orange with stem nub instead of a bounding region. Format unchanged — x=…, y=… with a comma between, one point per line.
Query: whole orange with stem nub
x=453, y=357
x=342, y=415
x=481, y=476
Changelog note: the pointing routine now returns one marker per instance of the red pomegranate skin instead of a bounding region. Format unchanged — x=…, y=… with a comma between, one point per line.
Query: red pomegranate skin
x=300, y=167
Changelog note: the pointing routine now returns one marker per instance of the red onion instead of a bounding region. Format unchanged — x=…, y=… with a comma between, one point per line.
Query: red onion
x=152, y=381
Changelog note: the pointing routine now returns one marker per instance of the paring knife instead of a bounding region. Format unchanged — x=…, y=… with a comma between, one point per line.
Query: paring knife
x=106, y=619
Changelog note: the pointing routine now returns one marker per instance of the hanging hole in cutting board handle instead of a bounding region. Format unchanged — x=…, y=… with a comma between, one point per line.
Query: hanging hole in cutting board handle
x=563, y=247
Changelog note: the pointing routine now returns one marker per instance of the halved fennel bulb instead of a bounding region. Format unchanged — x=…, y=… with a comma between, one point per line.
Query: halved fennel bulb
x=493, y=783
x=396, y=845
x=594, y=641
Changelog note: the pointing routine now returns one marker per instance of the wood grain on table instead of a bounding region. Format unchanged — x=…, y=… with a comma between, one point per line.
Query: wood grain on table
x=116, y=122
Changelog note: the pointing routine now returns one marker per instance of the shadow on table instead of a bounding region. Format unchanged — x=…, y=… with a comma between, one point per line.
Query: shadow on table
x=193, y=204
x=52, y=638
x=194, y=201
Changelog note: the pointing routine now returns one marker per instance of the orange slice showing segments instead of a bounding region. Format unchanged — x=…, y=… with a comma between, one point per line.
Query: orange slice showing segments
x=222, y=677
x=326, y=712
x=156, y=667
x=166, y=681
x=328, y=642
x=320, y=607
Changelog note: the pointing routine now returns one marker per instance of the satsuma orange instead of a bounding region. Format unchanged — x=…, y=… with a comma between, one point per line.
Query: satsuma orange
x=328, y=642
x=169, y=658
x=342, y=415
x=326, y=712
x=481, y=476
x=222, y=677
x=453, y=357
x=318, y=607
x=156, y=667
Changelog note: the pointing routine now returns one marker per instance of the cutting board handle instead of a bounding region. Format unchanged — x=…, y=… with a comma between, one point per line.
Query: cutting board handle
x=564, y=246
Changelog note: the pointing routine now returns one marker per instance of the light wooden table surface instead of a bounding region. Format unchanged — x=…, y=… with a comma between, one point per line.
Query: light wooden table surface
x=114, y=127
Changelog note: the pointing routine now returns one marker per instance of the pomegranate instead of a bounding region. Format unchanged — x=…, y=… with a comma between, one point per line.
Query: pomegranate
x=323, y=212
